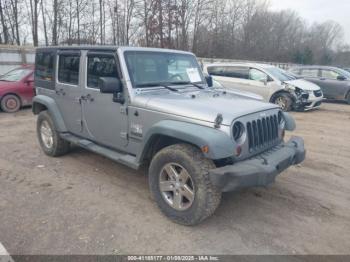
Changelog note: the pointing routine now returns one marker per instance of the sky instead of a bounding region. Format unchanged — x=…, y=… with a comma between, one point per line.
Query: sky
x=319, y=11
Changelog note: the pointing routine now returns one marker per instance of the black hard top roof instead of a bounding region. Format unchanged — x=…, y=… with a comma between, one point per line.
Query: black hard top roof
x=81, y=47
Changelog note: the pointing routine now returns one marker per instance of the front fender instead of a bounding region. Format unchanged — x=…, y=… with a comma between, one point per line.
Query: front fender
x=52, y=107
x=220, y=144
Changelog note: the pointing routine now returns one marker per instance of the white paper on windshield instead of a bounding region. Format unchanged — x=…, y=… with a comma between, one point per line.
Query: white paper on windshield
x=193, y=75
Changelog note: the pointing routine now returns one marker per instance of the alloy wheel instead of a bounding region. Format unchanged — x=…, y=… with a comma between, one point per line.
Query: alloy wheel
x=176, y=186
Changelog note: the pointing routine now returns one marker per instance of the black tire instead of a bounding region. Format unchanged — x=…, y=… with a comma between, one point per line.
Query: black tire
x=284, y=101
x=206, y=197
x=58, y=146
x=10, y=103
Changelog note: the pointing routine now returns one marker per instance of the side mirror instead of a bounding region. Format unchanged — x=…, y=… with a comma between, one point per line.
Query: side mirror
x=110, y=85
x=341, y=78
x=264, y=81
x=209, y=80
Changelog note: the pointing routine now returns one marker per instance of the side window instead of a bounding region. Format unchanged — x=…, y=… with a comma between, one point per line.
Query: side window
x=68, y=69
x=216, y=71
x=309, y=72
x=44, y=66
x=237, y=72
x=100, y=66
x=330, y=74
x=257, y=75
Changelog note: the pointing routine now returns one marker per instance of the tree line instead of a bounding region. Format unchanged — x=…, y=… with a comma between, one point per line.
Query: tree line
x=239, y=29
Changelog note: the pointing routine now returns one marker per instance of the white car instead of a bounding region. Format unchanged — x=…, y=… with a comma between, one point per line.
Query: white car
x=273, y=84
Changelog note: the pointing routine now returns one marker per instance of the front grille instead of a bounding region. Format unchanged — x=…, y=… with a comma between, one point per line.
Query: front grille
x=262, y=132
x=318, y=93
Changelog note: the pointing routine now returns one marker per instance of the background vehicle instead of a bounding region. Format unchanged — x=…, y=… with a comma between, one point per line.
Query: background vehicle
x=153, y=106
x=347, y=69
x=16, y=88
x=273, y=84
x=334, y=82
x=237, y=92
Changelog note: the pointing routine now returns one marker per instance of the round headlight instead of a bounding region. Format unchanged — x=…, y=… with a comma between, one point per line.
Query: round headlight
x=281, y=120
x=238, y=131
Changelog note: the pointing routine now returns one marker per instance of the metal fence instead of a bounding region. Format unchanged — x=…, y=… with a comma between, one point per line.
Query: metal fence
x=284, y=66
x=13, y=56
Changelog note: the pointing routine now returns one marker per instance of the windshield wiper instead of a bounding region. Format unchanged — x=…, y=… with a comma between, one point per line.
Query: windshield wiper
x=157, y=85
x=187, y=83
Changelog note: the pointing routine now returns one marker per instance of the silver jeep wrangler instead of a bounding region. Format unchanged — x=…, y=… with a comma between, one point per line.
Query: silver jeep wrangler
x=155, y=107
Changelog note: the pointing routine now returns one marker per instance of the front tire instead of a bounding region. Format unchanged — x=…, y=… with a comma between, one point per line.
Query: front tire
x=10, y=103
x=180, y=184
x=284, y=101
x=50, y=141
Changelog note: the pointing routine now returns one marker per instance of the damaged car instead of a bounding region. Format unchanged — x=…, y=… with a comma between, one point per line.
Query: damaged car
x=273, y=84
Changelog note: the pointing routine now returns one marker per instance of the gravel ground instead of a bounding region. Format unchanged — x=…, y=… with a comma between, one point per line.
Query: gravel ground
x=83, y=203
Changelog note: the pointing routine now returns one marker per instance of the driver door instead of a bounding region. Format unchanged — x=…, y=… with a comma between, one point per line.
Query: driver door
x=105, y=121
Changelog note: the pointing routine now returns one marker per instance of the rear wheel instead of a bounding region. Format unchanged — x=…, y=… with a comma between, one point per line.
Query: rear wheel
x=284, y=101
x=50, y=141
x=179, y=181
x=10, y=103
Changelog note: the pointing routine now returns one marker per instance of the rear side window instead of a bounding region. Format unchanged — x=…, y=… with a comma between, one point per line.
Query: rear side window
x=68, y=69
x=44, y=66
x=100, y=66
x=216, y=71
x=309, y=72
x=237, y=72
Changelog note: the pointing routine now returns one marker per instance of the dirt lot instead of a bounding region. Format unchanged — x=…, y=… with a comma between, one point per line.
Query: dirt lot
x=85, y=204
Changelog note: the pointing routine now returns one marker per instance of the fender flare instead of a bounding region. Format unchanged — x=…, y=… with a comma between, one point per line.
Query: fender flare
x=220, y=144
x=52, y=107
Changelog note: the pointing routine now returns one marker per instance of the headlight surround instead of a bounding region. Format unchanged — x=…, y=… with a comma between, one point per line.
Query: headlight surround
x=281, y=120
x=239, y=132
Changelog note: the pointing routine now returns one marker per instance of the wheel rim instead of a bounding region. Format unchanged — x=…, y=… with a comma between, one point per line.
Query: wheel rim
x=11, y=104
x=281, y=102
x=46, y=134
x=176, y=186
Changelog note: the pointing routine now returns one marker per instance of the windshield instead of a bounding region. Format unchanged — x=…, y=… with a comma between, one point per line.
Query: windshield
x=280, y=74
x=15, y=75
x=157, y=68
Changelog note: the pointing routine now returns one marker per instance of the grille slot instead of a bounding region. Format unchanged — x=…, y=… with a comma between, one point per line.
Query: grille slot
x=262, y=132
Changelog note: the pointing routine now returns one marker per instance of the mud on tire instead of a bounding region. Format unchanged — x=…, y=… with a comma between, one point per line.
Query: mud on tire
x=206, y=197
x=55, y=147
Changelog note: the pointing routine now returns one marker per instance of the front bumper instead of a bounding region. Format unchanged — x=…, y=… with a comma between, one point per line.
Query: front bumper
x=260, y=170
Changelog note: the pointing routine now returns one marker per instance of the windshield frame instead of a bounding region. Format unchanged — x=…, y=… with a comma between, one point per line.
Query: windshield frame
x=152, y=84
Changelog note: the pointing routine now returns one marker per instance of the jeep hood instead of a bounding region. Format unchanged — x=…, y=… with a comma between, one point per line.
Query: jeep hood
x=203, y=105
x=303, y=84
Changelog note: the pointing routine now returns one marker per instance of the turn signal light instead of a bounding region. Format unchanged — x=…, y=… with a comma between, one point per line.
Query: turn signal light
x=205, y=149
